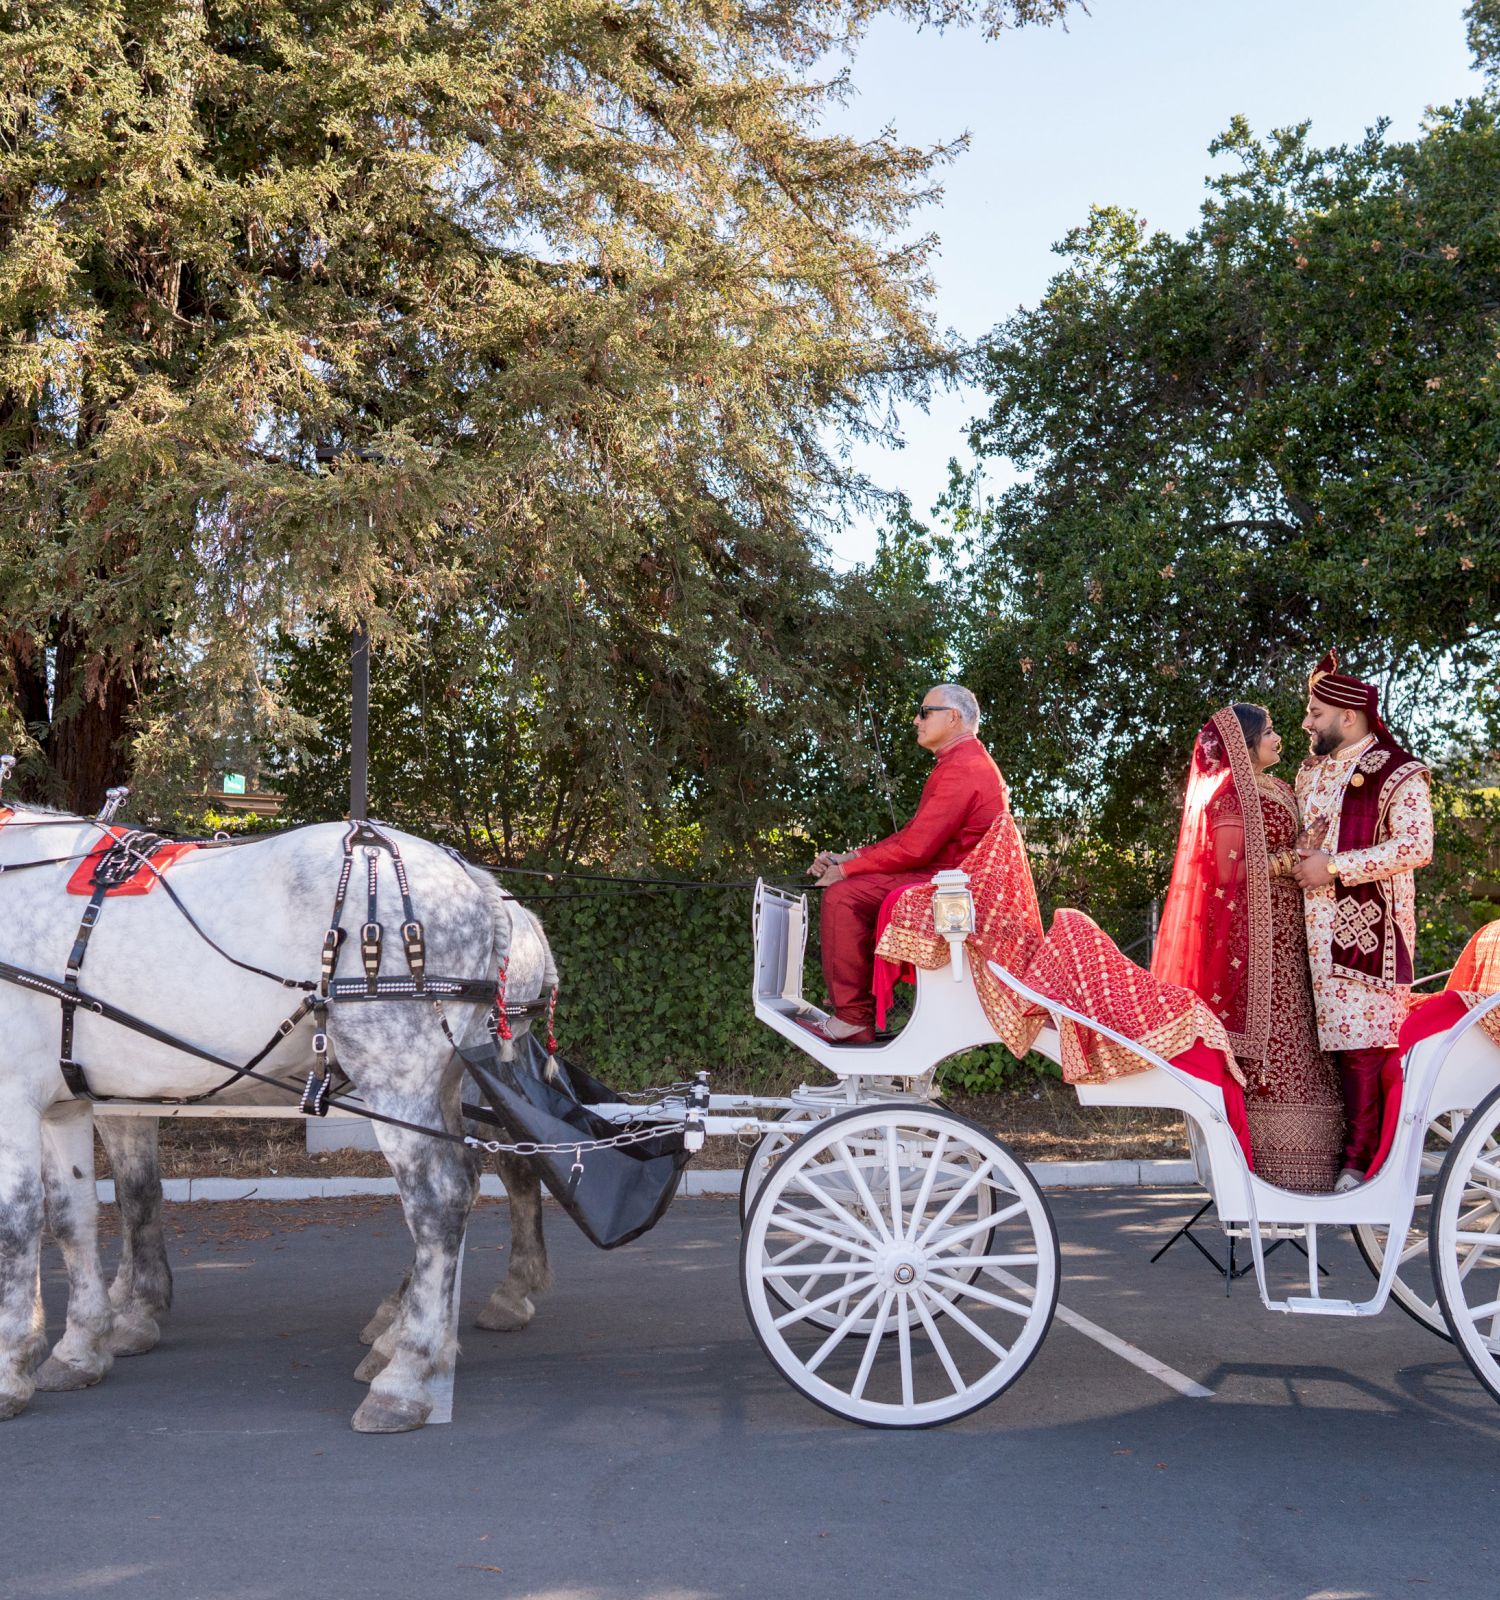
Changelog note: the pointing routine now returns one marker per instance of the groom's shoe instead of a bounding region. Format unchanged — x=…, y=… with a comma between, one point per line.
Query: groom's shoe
x=834, y=1030
x=1348, y=1179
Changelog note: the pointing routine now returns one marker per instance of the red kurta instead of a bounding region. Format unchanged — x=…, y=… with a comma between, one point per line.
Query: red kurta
x=962, y=796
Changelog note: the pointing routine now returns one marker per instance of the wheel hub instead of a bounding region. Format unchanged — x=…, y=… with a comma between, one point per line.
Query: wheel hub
x=903, y=1268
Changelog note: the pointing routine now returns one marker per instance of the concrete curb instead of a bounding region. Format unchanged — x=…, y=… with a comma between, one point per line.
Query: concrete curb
x=721, y=1181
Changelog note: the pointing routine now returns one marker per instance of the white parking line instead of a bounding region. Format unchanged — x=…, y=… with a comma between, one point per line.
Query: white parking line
x=1116, y=1345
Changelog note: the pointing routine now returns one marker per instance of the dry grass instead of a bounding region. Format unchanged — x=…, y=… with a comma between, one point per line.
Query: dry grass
x=1042, y=1121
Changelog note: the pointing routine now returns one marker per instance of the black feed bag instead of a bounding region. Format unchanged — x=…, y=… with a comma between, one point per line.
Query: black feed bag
x=620, y=1193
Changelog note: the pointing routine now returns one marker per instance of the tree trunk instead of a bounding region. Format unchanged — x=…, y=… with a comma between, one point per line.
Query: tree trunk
x=86, y=743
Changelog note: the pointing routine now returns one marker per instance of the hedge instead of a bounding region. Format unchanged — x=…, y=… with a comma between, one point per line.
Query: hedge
x=655, y=987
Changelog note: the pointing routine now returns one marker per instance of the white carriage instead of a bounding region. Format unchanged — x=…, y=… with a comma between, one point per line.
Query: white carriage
x=900, y=1265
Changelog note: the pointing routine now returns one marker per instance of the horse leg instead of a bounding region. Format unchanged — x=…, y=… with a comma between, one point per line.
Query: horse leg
x=82, y=1356
x=20, y=1251
x=142, y=1291
x=437, y=1192
x=385, y=1315
x=510, y=1307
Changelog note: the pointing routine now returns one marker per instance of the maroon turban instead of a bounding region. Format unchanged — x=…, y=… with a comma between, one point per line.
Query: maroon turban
x=1332, y=688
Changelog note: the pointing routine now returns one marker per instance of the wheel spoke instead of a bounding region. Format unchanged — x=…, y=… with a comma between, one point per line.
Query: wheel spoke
x=1411, y=1252
x=840, y=1333
x=949, y=1309
x=821, y=1270
x=924, y=1194
x=817, y=1236
x=866, y=1198
x=858, y=1230
x=903, y=1339
x=966, y=1231
x=872, y=1344
x=811, y=1307
x=893, y=1181
x=938, y=1344
x=962, y=1193
x=984, y=1296
x=1028, y=1260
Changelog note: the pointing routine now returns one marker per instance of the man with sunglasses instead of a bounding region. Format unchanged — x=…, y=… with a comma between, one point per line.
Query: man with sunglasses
x=962, y=796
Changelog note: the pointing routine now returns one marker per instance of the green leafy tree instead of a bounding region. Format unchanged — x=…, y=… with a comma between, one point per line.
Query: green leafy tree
x=1234, y=449
x=366, y=309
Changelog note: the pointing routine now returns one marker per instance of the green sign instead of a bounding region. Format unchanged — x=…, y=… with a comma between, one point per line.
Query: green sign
x=234, y=783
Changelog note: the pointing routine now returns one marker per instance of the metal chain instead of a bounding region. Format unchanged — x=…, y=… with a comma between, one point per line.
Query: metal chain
x=571, y=1147
x=659, y=1091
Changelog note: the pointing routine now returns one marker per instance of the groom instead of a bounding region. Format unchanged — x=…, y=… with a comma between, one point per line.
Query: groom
x=1367, y=817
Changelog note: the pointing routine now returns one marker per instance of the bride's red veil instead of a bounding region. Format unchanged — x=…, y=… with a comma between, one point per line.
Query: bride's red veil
x=1215, y=935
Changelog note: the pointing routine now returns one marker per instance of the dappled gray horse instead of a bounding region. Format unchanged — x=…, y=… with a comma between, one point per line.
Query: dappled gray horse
x=266, y=907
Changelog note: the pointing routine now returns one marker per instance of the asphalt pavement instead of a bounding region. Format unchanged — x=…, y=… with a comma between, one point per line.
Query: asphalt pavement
x=634, y=1441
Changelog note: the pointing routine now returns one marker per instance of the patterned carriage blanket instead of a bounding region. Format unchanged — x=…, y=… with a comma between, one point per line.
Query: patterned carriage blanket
x=1074, y=962
x=1475, y=977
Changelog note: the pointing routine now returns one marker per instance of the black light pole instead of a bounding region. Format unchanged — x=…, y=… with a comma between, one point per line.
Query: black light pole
x=359, y=726
x=359, y=662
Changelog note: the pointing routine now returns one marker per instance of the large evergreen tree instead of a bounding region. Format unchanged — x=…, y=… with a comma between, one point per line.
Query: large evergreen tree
x=320, y=312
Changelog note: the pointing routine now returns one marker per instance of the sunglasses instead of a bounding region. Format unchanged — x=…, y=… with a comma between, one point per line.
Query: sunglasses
x=924, y=712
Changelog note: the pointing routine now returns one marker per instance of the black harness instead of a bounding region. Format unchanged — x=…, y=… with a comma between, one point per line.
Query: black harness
x=131, y=852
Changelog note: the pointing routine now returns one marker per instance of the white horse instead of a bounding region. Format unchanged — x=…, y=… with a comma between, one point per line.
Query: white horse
x=266, y=905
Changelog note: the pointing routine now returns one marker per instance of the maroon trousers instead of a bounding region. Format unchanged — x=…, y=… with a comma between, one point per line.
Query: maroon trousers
x=1359, y=1077
x=846, y=934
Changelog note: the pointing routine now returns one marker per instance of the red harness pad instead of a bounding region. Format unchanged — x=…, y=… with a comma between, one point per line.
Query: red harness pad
x=5, y=815
x=141, y=881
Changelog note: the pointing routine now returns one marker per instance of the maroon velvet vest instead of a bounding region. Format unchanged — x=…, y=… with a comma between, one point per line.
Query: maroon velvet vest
x=1368, y=945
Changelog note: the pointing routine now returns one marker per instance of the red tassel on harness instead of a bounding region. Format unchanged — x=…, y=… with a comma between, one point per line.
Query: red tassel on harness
x=502, y=1022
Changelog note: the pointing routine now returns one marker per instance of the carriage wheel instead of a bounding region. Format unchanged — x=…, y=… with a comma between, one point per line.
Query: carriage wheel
x=871, y=1215
x=1412, y=1288
x=1465, y=1241
x=867, y=1159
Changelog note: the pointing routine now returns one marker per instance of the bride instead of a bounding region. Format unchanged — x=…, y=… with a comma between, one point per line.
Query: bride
x=1232, y=931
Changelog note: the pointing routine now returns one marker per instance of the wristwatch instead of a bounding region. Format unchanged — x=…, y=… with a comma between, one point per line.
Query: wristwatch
x=1333, y=868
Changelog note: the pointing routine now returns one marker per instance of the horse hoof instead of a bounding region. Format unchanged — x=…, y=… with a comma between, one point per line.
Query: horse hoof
x=371, y=1367
x=376, y=1326
x=382, y=1413
x=34, y=1353
x=14, y=1400
x=61, y=1377
x=133, y=1336
x=503, y=1315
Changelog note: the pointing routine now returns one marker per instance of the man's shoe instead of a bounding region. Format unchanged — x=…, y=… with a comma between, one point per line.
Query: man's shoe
x=1348, y=1179
x=833, y=1030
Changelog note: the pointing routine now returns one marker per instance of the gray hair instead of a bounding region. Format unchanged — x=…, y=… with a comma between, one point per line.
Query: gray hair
x=964, y=703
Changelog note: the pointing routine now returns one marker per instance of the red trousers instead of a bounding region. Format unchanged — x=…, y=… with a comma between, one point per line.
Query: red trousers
x=1359, y=1077
x=846, y=933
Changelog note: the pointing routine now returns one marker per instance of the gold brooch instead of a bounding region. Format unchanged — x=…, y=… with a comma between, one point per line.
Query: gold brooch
x=1357, y=780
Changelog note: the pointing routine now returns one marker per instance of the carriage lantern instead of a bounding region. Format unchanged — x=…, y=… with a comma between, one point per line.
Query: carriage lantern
x=953, y=914
x=6, y=764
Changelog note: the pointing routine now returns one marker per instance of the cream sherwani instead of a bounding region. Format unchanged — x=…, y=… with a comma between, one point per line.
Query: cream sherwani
x=1354, y=1015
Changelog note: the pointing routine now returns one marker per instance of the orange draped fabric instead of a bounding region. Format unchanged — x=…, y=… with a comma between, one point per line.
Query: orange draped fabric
x=1475, y=977
x=1076, y=963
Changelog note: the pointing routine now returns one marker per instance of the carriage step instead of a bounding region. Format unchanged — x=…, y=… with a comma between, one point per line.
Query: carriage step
x=1317, y=1305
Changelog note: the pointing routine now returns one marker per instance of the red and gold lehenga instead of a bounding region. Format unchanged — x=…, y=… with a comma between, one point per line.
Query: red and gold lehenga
x=1232, y=931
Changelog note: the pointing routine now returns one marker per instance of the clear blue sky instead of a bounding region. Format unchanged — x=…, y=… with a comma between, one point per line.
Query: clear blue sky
x=1119, y=110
